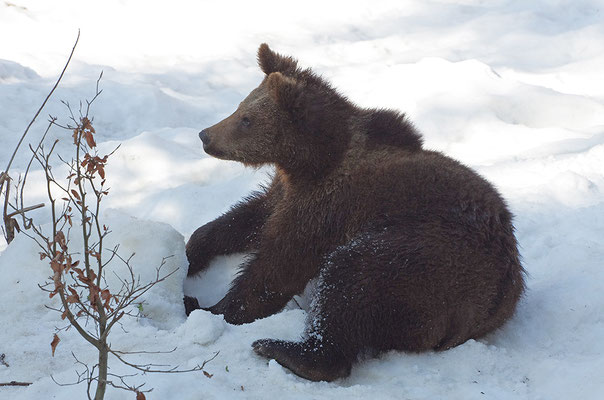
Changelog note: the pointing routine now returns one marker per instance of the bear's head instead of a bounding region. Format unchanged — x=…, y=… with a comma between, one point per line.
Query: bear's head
x=294, y=119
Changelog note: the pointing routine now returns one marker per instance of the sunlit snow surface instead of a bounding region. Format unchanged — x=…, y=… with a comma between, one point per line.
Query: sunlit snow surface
x=514, y=89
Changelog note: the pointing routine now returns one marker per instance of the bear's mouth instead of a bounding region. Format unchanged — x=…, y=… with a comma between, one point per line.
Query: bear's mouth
x=214, y=153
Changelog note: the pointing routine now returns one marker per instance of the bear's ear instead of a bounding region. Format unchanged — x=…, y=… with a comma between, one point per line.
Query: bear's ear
x=270, y=62
x=284, y=90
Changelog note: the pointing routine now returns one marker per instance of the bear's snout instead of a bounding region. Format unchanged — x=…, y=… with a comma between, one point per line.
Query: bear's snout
x=203, y=135
x=209, y=144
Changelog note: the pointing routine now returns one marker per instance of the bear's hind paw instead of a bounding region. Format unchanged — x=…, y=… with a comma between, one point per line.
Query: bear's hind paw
x=304, y=359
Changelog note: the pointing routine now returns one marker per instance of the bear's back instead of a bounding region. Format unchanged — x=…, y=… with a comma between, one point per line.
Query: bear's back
x=389, y=182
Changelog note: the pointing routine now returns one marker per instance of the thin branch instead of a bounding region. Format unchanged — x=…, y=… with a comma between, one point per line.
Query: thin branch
x=26, y=209
x=15, y=383
x=27, y=221
x=146, y=352
x=148, y=367
x=43, y=104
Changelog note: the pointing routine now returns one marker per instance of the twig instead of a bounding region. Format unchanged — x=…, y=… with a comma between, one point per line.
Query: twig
x=174, y=370
x=15, y=383
x=26, y=209
x=43, y=104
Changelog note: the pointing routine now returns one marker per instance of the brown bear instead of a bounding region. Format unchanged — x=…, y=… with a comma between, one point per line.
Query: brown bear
x=412, y=250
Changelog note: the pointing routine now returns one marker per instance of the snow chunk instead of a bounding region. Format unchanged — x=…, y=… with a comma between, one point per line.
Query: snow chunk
x=202, y=328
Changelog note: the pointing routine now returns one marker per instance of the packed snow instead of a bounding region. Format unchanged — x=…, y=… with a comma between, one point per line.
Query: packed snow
x=514, y=89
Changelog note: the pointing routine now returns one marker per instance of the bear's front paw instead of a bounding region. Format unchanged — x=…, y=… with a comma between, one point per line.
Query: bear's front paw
x=234, y=312
x=199, y=250
x=191, y=304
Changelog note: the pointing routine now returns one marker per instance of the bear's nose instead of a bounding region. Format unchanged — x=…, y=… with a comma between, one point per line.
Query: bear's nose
x=203, y=135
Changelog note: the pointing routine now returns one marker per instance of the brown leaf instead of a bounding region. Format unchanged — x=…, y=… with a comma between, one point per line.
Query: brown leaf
x=56, y=266
x=75, y=194
x=71, y=299
x=94, y=291
x=101, y=172
x=95, y=254
x=42, y=256
x=54, y=343
x=60, y=237
x=140, y=396
x=74, y=297
x=89, y=139
x=87, y=124
x=105, y=295
x=208, y=374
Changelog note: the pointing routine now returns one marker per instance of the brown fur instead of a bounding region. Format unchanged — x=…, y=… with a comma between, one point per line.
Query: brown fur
x=412, y=250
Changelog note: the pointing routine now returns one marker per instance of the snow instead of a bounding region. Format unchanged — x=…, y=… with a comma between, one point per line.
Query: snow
x=514, y=89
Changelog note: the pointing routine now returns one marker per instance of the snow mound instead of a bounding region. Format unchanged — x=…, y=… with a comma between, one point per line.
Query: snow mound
x=148, y=243
x=12, y=72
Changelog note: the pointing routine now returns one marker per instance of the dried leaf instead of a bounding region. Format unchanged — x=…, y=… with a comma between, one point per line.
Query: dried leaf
x=207, y=374
x=140, y=396
x=87, y=124
x=72, y=299
x=56, y=266
x=94, y=291
x=105, y=295
x=60, y=237
x=75, y=194
x=89, y=139
x=54, y=343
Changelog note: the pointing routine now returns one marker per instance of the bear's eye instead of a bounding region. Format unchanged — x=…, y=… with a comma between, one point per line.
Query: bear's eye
x=245, y=121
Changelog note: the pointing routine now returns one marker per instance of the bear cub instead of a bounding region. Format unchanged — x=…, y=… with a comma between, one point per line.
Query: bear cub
x=412, y=250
